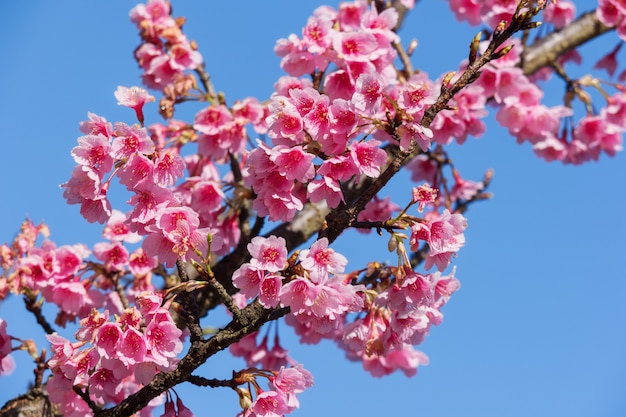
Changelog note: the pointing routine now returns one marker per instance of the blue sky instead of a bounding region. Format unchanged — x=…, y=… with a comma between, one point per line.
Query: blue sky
x=538, y=325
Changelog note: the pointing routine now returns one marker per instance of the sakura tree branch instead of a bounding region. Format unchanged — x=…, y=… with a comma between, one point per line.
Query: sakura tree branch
x=211, y=382
x=546, y=50
x=342, y=217
x=205, y=79
x=188, y=302
x=199, y=352
x=34, y=307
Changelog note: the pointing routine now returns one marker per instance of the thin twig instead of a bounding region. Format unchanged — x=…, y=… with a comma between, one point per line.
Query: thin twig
x=34, y=307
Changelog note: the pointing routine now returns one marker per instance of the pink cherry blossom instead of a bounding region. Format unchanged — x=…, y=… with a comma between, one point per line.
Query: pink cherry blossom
x=268, y=253
x=248, y=279
x=135, y=98
x=325, y=189
x=294, y=163
x=321, y=257
x=368, y=92
x=137, y=171
x=270, y=404
x=93, y=151
x=163, y=338
x=168, y=167
x=6, y=361
x=269, y=289
x=114, y=255
x=356, y=46
x=175, y=233
x=368, y=157
x=117, y=229
x=130, y=140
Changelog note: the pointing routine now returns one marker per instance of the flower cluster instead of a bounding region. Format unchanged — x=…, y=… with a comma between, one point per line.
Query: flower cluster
x=165, y=53
x=492, y=12
x=518, y=97
x=281, y=396
x=612, y=13
x=113, y=358
x=314, y=130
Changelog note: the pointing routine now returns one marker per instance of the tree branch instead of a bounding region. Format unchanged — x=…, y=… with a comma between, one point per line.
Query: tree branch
x=546, y=50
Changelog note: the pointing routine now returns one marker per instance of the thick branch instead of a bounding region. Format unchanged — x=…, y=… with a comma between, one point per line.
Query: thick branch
x=546, y=50
x=198, y=353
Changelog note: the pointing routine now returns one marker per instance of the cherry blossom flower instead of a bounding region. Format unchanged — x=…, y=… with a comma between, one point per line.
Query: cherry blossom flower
x=175, y=233
x=268, y=253
x=6, y=361
x=321, y=257
x=135, y=98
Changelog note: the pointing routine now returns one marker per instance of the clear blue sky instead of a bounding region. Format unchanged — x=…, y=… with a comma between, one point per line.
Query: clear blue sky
x=537, y=328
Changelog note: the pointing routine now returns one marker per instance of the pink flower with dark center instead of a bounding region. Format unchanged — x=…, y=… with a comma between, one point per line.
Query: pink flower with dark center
x=424, y=195
x=269, y=289
x=248, y=279
x=168, y=167
x=368, y=92
x=163, y=339
x=210, y=119
x=270, y=404
x=343, y=119
x=207, y=196
x=317, y=34
x=96, y=125
x=294, y=163
x=355, y=46
x=104, y=385
x=341, y=168
x=117, y=230
x=284, y=121
x=175, y=233
x=368, y=157
x=146, y=203
x=137, y=171
x=108, y=337
x=304, y=99
x=325, y=189
x=130, y=140
x=269, y=253
x=132, y=348
x=135, y=98
x=317, y=121
x=93, y=151
x=114, y=255
x=323, y=258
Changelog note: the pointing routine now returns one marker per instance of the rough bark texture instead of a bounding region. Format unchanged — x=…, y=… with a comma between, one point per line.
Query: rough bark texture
x=34, y=403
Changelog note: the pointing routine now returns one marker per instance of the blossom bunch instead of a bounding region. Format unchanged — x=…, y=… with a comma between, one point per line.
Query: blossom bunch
x=113, y=358
x=165, y=53
x=492, y=12
x=315, y=130
x=612, y=13
x=281, y=396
